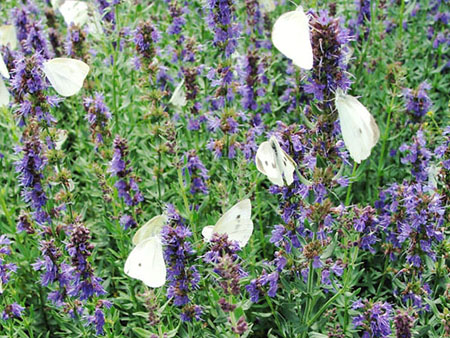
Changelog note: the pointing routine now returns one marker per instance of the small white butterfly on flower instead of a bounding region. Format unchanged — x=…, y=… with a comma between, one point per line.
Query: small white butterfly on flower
x=66, y=75
x=146, y=262
x=272, y=161
x=359, y=129
x=290, y=35
x=236, y=223
x=8, y=36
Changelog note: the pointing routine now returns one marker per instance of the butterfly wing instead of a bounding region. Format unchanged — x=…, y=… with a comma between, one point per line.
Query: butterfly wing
x=146, y=263
x=359, y=129
x=284, y=161
x=266, y=163
x=3, y=69
x=75, y=12
x=4, y=94
x=178, y=98
x=66, y=75
x=207, y=232
x=290, y=35
x=150, y=229
x=8, y=36
x=237, y=223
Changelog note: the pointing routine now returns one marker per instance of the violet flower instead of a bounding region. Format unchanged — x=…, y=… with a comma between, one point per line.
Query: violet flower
x=257, y=287
x=223, y=254
x=417, y=102
x=221, y=18
x=329, y=40
x=403, y=323
x=198, y=174
x=182, y=275
x=13, y=310
x=98, y=116
x=374, y=320
x=85, y=283
x=127, y=183
x=5, y=268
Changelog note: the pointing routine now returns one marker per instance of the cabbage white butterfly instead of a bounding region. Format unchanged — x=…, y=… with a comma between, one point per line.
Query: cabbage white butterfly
x=75, y=12
x=66, y=75
x=8, y=36
x=146, y=262
x=273, y=162
x=236, y=223
x=290, y=35
x=178, y=98
x=359, y=129
x=4, y=94
x=3, y=69
x=81, y=13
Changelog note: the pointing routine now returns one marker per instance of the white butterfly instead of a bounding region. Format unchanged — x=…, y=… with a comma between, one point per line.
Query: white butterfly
x=236, y=223
x=3, y=69
x=66, y=75
x=290, y=35
x=81, y=13
x=178, y=98
x=273, y=162
x=8, y=36
x=146, y=262
x=267, y=5
x=359, y=129
x=4, y=94
x=76, y=12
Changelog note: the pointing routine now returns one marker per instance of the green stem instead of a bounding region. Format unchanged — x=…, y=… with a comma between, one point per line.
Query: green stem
x=383, y=147
x=274, y=313
x=349, y=188
x=309, y=290
x=324, y=307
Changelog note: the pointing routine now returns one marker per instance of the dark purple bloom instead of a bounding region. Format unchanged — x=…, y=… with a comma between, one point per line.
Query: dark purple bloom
x=126, y=184
x=85, y=283
x=198, y=174
x=5, y=268
x=98, y=116
x=145, y=39
x=98, y=319
x=417, y=102
x=13, y=310
x=30, y=169
x=329, y=40
x=182, y=275
x=256, y=286
x=75, y=45
x=221, y=18
x=403, y=323
x=375, y=319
